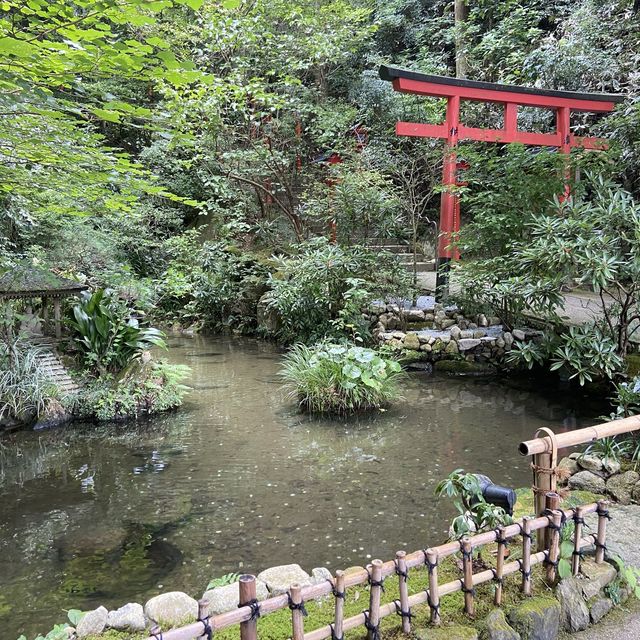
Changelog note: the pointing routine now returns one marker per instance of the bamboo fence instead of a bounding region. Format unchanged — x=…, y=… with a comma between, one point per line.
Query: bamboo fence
x=548, y=526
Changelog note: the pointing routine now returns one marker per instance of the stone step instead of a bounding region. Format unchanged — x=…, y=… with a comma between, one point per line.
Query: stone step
x=391, y=248
x=421, y=267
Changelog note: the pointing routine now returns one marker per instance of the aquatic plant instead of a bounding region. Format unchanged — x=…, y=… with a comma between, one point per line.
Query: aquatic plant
x=338, y=378
x=223, y=581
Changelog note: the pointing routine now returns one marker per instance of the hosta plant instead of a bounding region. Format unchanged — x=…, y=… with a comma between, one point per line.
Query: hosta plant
x=340, y=379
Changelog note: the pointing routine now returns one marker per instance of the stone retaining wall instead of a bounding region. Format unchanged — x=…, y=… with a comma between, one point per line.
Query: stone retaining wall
x=438, y=333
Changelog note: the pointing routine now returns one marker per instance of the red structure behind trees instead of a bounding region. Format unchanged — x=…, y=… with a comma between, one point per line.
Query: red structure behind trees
x=453, y=131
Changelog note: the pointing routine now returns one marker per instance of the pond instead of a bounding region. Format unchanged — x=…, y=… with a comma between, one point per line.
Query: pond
x=238, y=480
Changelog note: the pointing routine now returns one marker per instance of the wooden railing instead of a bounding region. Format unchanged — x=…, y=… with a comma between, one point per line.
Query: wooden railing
x=548, y=526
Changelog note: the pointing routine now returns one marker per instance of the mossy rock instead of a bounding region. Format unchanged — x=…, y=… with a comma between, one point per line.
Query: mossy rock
x=536, y=618
x=451, y=632
x=633, y=364
x=463, y=367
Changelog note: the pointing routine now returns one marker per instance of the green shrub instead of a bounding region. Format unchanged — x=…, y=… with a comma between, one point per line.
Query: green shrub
x=321, y=291
x=108, y=334
x=337, y=378
x=25, y=389
x=145, y=388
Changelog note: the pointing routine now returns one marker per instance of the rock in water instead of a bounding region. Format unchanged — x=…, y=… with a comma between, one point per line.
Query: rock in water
x=498, y=628
x=279, y=579
x=129, y=617
x=172, y=609
x=536, y=619
x=574, y=614
x=92, y=623
x=227, y=598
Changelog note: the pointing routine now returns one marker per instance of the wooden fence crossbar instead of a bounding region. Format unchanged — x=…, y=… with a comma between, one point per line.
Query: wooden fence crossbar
x=247, y=613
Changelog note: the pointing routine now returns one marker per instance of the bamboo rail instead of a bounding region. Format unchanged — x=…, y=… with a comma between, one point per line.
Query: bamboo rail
x=249, y=609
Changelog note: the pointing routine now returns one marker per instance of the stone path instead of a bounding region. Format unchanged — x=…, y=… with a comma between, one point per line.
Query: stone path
x=623, y=539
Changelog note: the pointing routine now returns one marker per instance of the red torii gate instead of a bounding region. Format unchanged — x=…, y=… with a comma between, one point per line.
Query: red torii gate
x=455, y=90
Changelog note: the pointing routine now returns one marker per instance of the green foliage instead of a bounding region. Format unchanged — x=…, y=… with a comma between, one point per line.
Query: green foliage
x=145, y=388
x=476, y=514
x=322, y=290
x=608, y=449
x=109, y=336
x=25, y=388
x=340, y=379
x=222, y=581
x=629, y=576
x=567, y=548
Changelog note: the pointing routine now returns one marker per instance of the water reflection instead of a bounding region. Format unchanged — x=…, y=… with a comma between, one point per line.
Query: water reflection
x=239, y=480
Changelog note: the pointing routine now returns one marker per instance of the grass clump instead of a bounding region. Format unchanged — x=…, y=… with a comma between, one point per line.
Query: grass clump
x=341, y=379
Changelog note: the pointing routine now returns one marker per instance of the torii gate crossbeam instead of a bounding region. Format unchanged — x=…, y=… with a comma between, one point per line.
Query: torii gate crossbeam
x=452, y=131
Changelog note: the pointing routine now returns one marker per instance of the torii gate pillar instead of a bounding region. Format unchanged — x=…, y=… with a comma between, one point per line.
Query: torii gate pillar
x=511, y=97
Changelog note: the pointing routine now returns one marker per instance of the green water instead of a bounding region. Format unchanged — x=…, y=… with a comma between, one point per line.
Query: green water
x=238, y=480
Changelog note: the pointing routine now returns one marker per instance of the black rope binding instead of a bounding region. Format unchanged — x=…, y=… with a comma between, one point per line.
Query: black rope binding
x=400, y=612
x=430, y=565
x=464, y=589
x=207, y=631
x=499, y=540
x=255, y=608
x=403, y=574
x=524, y=533
x=599, y=545
x=499, y=580
x=580, y=554
x=435, y=608
x=525, y=574
x=297, y=606
x=376, y=583
x=373, y=628
x=578, y=519
x=603, y=513
x=156, y=636
x=333, y=633
x=548, y=562
x=334, y=590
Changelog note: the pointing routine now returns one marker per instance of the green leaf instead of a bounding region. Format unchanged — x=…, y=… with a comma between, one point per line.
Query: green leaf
x=75, y=615
x=105, y=114
x=351, y=371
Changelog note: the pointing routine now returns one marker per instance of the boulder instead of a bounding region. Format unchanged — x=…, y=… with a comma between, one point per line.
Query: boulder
x=621, y=486
x=569, y=466
x=574, y=614
x=597, y=577
x=226, y=598
x=536, y=619
x=279, y=579
x=92, y=623
x=590, y=463
x=468, y=343
x=425, y=347
x=600, y=608
x=494, y=321
x=129, y=617
x=450, y=632
x=610, y=466
x=411, y=342
x=497, y=627
x=320, y=574
x=172, y=609
x=508, y=339
x=587, y=481
x=455, y=332
x=482, y=320
x=452, y=348
x=518, y=334
x=414, y=315
x=446, y=324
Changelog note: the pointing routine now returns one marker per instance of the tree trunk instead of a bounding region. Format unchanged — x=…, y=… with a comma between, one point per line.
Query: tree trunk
x=460, y=14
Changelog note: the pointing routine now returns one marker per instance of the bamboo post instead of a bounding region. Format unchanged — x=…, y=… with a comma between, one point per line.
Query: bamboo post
x=403, y=587
x=56, y=317
x=247, y=588
x=338, y=592
x=467, y=581
x=45, y=315
x=554, y=546
x=434, y=595
x=374, y=599
x=340, y=597
x=551, y=503
x=203, y=606
x=577, y=542
x=502, y=551
x=526, y=556
x=297, y=612
x=601, y=536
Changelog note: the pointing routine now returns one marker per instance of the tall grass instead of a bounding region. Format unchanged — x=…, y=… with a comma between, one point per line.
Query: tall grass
x=25, y=389
x=335, y=378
